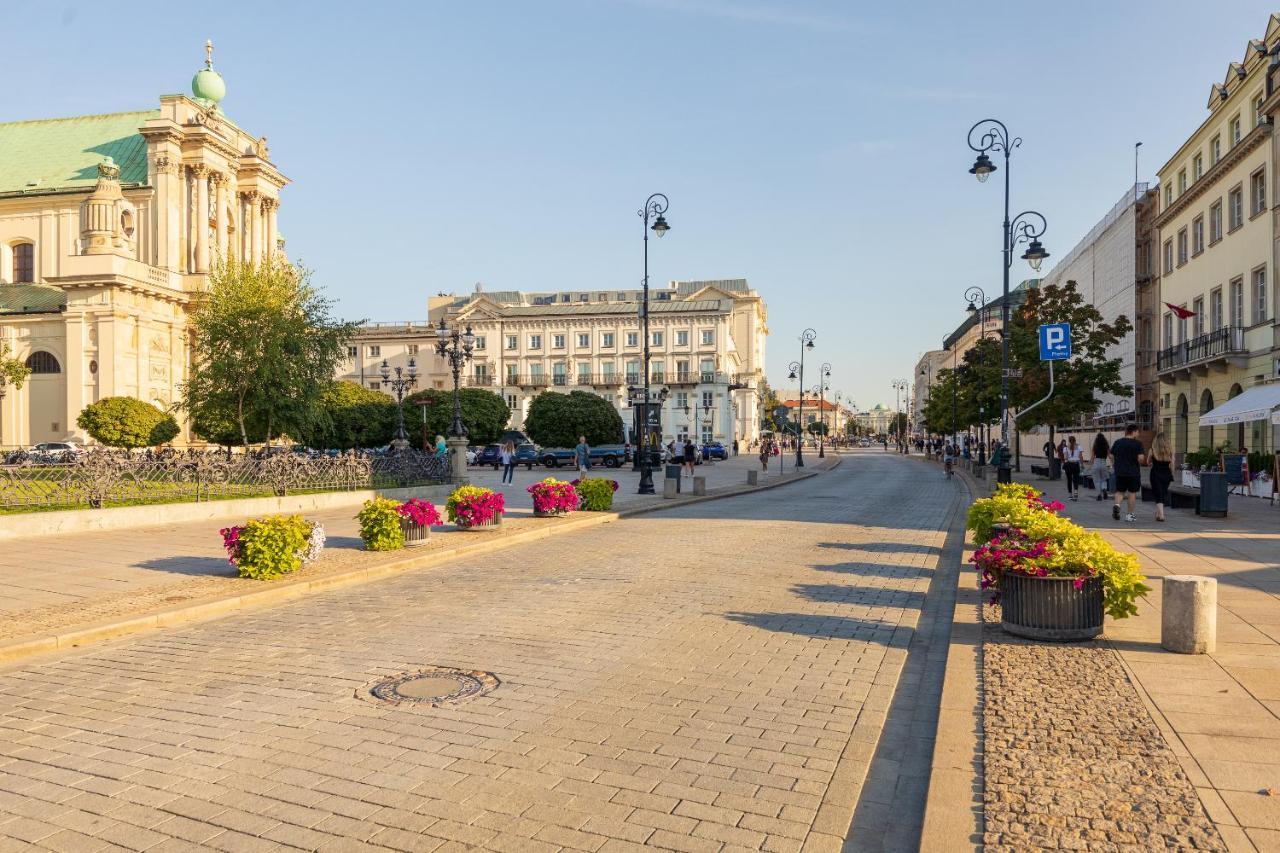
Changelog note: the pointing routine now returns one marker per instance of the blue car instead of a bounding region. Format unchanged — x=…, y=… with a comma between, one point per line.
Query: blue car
x=714, y=450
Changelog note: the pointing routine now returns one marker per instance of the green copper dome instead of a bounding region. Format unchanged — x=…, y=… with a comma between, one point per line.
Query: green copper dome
x=208, y=86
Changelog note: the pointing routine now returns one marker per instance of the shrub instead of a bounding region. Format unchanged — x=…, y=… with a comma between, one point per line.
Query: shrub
x=552, y=495
x=470, y=505
x=595, y=494
x=380, y=525
x=127, y=422
x=1041, y=543
x=270, y=547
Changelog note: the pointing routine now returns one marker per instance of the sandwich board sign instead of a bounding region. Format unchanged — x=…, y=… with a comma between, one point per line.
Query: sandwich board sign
x=1055, y=342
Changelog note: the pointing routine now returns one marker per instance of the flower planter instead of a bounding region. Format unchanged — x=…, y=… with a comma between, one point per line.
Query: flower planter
x=553, y=514
x=492, y=524
x=414, y=534
x=1050, y=608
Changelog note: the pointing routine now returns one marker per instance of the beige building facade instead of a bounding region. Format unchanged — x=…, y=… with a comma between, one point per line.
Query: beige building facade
x=1218, y=243
x=707, y=350
x=109, y=224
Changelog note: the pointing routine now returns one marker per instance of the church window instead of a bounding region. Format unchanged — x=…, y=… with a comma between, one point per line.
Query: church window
x=24, y=263
x=43, y=362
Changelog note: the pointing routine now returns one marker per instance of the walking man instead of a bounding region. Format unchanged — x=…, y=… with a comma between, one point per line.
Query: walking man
x=1127, y=458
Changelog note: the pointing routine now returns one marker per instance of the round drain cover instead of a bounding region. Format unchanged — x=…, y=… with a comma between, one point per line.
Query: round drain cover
x=437, y=685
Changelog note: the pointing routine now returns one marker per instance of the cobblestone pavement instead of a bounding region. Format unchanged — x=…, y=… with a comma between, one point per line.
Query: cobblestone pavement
x=709, y=678
x=56, y=583
x=1073, y=760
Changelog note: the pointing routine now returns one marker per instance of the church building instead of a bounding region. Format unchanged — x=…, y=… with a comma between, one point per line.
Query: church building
x=109, y=225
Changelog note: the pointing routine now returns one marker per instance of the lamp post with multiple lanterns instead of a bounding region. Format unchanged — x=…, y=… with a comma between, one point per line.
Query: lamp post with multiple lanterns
x=797, y=372
x=1027, y=227
x=455, y=347
x=899, y=386
x=654, y=207
x=403, y=381
x=978, y=308
x=821, y=390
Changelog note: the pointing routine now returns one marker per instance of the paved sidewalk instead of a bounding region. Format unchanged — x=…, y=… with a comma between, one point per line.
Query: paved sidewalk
x=1220, y=713
x=56, y=583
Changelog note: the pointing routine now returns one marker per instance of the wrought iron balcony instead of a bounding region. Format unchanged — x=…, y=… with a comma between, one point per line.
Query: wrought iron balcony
x=1203, y=350
x=535, y=380
x=480, y=380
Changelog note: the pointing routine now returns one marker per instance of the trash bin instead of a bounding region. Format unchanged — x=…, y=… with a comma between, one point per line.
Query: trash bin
x=1213, y=494
x=673, y=473
x=1055, y=469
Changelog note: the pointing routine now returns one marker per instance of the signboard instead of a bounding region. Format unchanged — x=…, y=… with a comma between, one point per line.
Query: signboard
x=1012, y=372
x=1236, y=467
x=1055, y=342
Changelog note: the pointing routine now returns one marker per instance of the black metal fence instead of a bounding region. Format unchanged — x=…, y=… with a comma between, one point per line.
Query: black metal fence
x=99, y=478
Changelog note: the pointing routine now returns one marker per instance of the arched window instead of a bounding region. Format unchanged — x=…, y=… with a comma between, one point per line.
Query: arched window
x=24, y=263
x=1206, y=406
x=43, y=362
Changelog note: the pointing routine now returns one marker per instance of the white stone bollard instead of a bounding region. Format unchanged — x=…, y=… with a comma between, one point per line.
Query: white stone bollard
x=1189, y=614
x=670, y=486
x=753, y=477
x=699, y=485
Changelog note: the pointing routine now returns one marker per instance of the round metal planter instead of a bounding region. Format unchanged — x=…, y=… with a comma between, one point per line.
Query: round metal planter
x=484, y=525
x=414, y=534
x=1051, y=608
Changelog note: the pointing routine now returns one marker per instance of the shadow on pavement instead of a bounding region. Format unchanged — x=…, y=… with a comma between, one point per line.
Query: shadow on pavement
x=819, y=626
x=864, y=596
x=190, y=566
x=896, y=547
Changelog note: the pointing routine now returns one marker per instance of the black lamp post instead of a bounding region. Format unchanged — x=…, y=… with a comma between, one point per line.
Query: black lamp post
x=820, y=389
x=978, y=307
x=899, y=386
x=403, y=381
x=707, y=408
x=455, y=348
x=655, y=206
x=797, y=372
x=994, y=136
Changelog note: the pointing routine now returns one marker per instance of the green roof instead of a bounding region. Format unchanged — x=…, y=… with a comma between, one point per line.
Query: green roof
x=64, y=153
x=31, y=298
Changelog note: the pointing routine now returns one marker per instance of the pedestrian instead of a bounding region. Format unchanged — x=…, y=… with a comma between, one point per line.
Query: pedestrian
x=1101, y=475
x=508, y=458
x=765, y=453
x=1161, y=472
x=690, y=455
x=1071, y=459
x=948, y=458
x=583, y=454
x=441, y=448
x=1127, y=457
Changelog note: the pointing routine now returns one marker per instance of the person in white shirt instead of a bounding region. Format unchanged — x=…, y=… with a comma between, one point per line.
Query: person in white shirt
x=1071, y=459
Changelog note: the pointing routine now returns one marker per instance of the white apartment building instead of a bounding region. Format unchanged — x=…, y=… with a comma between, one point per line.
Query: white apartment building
x=706, y=349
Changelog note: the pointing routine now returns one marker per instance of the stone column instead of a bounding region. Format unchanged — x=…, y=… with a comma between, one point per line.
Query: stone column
x=220, y=215
x=188, y=225
x=202, y=218
x=255, y=227
x=457, y=459
x=272, y=205
x=74, y=367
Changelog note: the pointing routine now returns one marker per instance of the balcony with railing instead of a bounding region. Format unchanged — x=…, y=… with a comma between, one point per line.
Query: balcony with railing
x=533, y=380
x=1217, y=348
x=481, y=380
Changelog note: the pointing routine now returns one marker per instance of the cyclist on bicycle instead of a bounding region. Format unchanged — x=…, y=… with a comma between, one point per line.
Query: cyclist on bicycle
x=948, y=457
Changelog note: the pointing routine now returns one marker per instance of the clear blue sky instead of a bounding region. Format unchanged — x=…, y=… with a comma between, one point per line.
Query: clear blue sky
x=816, y=148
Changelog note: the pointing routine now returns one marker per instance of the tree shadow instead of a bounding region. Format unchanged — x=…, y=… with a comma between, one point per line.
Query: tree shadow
x=821, y=627
x=190, y=566
x=867, y=596
x=869, y=570
x=884, y=547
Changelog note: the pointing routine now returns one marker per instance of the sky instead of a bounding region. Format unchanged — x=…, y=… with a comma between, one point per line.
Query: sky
x=817, y=149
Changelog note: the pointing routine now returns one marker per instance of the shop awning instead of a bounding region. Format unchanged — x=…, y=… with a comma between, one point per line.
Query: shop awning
x=1256, y=404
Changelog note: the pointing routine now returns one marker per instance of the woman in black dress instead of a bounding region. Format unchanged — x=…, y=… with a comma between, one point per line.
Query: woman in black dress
x=1161, y=472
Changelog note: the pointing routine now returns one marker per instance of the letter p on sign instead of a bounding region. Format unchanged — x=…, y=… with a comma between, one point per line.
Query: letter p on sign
x=1055, y=342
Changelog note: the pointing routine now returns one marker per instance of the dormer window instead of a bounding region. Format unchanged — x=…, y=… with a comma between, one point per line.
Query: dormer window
x=24, y=263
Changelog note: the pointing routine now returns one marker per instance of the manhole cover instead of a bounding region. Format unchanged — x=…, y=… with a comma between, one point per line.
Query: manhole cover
x=436, y=685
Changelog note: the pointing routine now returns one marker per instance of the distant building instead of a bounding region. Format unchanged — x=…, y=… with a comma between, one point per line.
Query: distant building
x=707, y=349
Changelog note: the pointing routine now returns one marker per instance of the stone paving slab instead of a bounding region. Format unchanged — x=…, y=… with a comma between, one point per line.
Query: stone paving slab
x=706, y=678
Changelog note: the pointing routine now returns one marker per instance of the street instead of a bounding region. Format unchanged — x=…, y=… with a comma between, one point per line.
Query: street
x=710, y=677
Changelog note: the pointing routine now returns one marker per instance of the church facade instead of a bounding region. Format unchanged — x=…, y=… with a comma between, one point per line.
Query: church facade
x=109, y=226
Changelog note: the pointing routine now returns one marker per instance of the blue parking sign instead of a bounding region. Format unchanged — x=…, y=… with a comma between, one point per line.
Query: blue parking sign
x=1055, y=342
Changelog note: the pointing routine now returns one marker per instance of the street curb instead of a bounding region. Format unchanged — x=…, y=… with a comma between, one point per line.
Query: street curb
x=953, y=815
x=209, y=608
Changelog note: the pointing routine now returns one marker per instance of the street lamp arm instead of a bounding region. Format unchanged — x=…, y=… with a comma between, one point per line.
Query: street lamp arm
x=976, y=296
x=992, y=135
x=1023, y=228
x=655, y=205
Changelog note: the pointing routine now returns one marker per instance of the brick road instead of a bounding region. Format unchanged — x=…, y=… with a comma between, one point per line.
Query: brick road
x=710, y=678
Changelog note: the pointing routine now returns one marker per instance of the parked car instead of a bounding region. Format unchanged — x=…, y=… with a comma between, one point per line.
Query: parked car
x=491, y=455
x=49, y=452
x=715, y=450
x=527, y=455
x=608, y=455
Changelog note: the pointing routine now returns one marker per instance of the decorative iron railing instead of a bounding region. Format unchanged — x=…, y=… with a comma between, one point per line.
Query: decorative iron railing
x=99, y=478
x=1216, y=344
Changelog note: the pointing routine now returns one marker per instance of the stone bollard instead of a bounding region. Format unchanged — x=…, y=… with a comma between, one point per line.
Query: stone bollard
x=670, y=486
x=699, y=485
x=1189, y=614
x=753, y=477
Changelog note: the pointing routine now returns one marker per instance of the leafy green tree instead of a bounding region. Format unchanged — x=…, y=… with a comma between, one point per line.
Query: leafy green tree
x=352, y=415
x=817, y=428
x=484, y=413
x=219, y=426
x=769, y=402
x=127, y=422
x=13, y=371
x=556, y=420
x=264, y=347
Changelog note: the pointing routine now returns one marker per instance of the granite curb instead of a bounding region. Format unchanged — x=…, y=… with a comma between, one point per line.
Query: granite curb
x=215, y=606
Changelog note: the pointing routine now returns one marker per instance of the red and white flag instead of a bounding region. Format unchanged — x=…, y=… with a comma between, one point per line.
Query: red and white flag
x=1182, y=313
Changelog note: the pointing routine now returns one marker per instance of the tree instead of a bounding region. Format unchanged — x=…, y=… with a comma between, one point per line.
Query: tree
x=13, y=371
x=264, y=347
x=127, y=422
x=484, y=413
x=769, y=401
x=556, y=420
x=352, y=416
x=817, y=428
x=1088, y=372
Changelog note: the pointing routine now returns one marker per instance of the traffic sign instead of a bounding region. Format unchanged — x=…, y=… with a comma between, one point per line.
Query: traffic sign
x=1055, y=342
x=780, y=413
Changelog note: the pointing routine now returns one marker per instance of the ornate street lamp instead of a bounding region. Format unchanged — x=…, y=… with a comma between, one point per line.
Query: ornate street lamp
x=978, y=308
x=654, y=207
x=455, y=347
x=820, y=389
x=992, y=135
x=899, y=386
x=707, y=408
x=797, y=372
x=403, y=381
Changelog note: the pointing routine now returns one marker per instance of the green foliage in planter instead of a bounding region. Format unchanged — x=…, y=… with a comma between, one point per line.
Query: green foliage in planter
x=272, y=546
x=127, y=422
x=1203, y=459
x=595, y=494
x=380, y=528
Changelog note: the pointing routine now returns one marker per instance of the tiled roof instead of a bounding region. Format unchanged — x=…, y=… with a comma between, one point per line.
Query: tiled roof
x=64, y=153
x=729, y=285
x=827, y=405
x=31, y=298
x=628, y=308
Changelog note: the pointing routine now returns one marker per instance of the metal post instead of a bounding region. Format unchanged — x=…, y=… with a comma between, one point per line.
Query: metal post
x=656, y=205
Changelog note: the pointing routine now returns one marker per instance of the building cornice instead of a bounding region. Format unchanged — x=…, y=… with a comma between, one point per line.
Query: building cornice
x=1243, y=149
